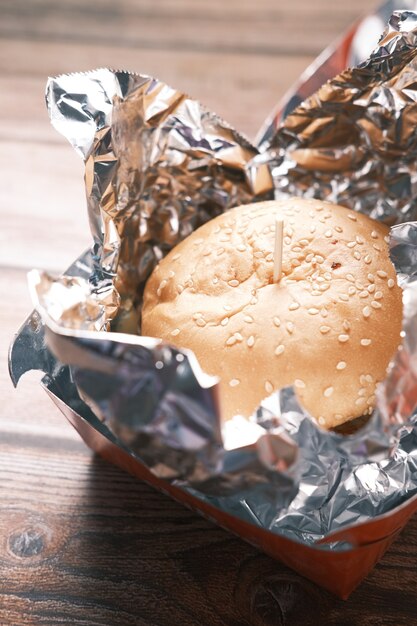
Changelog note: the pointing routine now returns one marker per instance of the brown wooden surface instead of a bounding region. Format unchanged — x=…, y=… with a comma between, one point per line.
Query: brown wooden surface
x=82, y=543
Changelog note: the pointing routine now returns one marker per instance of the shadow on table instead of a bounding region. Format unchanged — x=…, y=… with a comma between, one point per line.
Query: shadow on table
x=156, y=561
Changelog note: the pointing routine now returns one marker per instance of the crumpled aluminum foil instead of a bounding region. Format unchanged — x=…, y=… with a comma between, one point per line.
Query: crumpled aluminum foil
x=354, y=141
x=157, y=166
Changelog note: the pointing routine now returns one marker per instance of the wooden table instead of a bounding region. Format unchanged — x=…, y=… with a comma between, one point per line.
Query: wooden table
x=80, y=541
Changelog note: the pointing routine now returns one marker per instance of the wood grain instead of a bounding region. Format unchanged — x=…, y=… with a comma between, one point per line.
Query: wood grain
x=82, y=543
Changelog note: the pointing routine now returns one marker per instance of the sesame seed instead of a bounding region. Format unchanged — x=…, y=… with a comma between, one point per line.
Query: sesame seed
x=248, y=319
x=180, y=288
x=175, y=332
x=376, y=305
x=231, y=341
x=163, y=284
x=363, y=294
x=374, y=235
x=328, y=276
x=351, y=244
x=201, y=322
x=299, y=383
x=338, y=229
x=290, y=327
x=375, y=247
x=362, y=379
x=328, y=392
x=304, y=242
x=378, y=295
x=391, y=283
x=359, y=239
x=350, y=278
x=241, y=248
x=382, y=274
x=234, y=382
x=343, y=338
x=171, y=274
x=366, y=342
x=197, y=315
x=357, y=255
x=343, y=297
x=371, y=278
x=227, y=307
x=368, y=259
x=269, y=388
x=371, y=400
x=341, y=365
x=176, y=257
x=324, y=312
x=324, y=329
x=254, y=300
x=287, y=241
x=324, y=287
x=294, y=306
x=309, y=257
x=351, y=290
x=238, y=337
x=319, y=258
x=233, y=283
x=313, y=311
x=258, y=255
x=369, y=378
x=279, y=349
x=321, y=421
x=338, y=416
x=371, y=288
x=362, y=392
x=346, y=324
x=359, y=285
x=220, y=251
x=207, y=252
x=328, y=233
x=352, y=217
x=386, y=238
x=359, y=401
x=215, y=280
x=366, y=311
x=312, y=228
x=277, y=321
x=224, y=321
x=250, y=341
x=296, y=249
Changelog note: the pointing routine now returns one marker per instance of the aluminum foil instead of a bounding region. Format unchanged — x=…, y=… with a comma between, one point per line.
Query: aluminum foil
x=157, y=166
x=354, y=141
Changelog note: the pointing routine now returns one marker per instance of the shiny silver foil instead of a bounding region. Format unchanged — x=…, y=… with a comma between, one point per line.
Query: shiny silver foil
x=354, y=141
x=157, y=166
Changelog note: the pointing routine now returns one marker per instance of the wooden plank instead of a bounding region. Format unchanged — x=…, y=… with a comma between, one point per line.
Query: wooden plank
x=45, y=221
x=250, y=27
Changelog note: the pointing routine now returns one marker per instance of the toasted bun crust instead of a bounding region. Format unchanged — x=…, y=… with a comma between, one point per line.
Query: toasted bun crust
x=329, y=327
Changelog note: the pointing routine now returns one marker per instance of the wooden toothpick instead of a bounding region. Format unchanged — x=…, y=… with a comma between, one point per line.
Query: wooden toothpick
x=279, y=227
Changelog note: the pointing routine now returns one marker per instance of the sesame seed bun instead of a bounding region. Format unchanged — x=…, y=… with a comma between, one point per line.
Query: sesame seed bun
x=329, y=327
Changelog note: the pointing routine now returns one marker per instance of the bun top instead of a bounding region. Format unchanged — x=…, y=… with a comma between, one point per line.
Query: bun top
x=329, y=327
